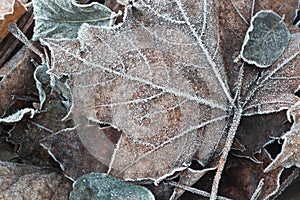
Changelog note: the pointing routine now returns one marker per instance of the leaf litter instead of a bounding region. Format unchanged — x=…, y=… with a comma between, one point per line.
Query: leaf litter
x=131, y=91
x=129, y=94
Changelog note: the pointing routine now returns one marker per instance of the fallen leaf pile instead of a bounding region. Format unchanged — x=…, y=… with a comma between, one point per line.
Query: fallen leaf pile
x=153, y=93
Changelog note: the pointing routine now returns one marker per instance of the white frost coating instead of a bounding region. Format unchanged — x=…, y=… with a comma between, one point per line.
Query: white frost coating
x=165, y=17
x=18, y=115
x=114, y=154
x=153, y=85
x=193, y=190
x=239, y=13
x=51, y=154
x=157, y=181
x=258, y=189
x=174, y=138
x=206, y=53
x=42, y=94
x=204, y=18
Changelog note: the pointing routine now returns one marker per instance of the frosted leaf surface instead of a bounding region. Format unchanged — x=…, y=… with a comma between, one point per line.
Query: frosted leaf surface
x=266, y=39
x=278, y=83
x=157, y=78
x=62, y=18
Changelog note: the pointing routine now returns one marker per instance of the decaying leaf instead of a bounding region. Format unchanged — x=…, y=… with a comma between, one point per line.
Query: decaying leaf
x=103, y=186
x=290, y=153
x=159, y=79
x=160, y=85
x=19, y=181
x=6, y=150
x=10, y=11
x=262, y=129
x=62, y=18
x=67, y=149
x=29, y=131
x=17, y=83
x=246, y=175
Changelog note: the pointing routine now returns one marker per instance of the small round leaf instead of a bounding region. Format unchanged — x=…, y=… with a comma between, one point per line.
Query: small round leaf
x=102, y=186
x=266, y=39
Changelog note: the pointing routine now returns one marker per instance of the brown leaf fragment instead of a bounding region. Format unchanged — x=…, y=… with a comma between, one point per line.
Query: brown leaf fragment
x=290, y=153
x=10, y=11
x=19, y=181
x=10, y=45
x=262, y=129
x=67, y=149
x=17, y=86
x=28, y=132
x=188, y=177
x=6, y=150
x=246, y=176
x=278, y=84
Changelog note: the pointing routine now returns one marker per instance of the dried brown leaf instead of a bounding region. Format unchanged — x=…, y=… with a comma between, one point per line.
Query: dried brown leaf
x=17, y=85
x=159, y=79
x=19, y=181
x=290, y=153
x=74, y=159
x=245, y=175
x=262, y=129
x=160, y=85
x=10, y=11
x=29, y=131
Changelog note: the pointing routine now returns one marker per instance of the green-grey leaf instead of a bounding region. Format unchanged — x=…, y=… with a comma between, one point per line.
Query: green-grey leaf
x=59, y=19
x=105, y=187
x=266, y=39
x=41, y=77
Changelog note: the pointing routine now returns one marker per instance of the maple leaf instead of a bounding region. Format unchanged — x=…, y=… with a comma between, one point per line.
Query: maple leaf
x=147, y=85
x=160, y=79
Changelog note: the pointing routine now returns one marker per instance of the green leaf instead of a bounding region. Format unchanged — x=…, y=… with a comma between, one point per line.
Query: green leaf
x=59, y=19
x=103, y=186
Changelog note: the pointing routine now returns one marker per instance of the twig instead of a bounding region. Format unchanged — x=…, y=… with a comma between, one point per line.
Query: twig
x=194, y=190
x=257, y=192
x=229, y=140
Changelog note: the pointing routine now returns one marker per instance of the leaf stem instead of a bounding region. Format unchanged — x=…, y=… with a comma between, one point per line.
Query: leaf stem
x=229, y=140
x=14, y=29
